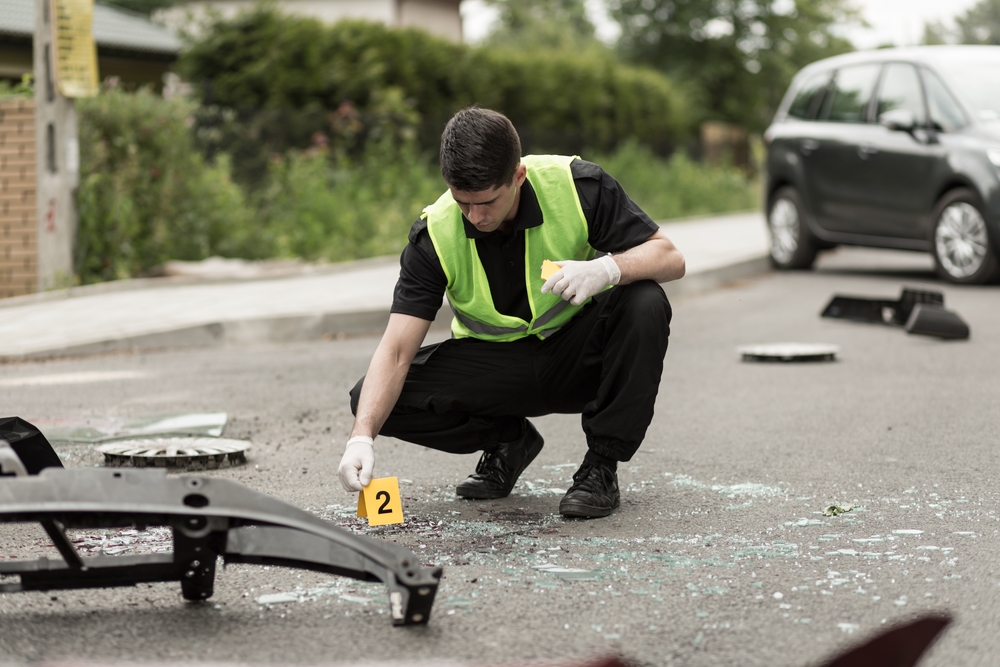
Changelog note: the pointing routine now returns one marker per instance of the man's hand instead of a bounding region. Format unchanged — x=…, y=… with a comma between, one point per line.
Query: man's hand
x=578, y=281
x=356, y=466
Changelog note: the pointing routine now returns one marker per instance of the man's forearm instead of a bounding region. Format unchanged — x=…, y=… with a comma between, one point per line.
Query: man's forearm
x=379, y=393
x=387, y=372
x=656, y=259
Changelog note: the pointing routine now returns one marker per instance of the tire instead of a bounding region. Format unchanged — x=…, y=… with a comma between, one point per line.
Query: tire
x=792, y=244
x=961, y=242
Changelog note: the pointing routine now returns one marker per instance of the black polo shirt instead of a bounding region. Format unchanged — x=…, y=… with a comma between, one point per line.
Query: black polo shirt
x=616, y=224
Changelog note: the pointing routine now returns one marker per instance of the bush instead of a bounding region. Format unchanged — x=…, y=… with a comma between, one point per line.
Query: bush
x=146, y=195
x=263, y=61
x=22, y=90
x=679, y=187
x=337, y=210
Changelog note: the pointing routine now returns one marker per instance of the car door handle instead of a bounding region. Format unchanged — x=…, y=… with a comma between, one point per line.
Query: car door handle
x=864, y=152
x=808, y=146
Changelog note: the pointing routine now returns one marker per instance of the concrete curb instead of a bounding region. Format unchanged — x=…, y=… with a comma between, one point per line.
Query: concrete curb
x=181, y=281
x=334, y=325
x=706, y=281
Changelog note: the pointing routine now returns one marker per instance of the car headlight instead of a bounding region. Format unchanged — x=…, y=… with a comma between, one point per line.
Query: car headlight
x=994, y=156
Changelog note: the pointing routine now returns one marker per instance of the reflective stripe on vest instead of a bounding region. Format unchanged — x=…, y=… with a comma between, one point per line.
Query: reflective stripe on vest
x=562, y=235
x=485, y=329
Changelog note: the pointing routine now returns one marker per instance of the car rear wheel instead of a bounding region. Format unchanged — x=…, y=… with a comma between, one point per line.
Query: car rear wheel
x=962, y=250
x=792, y=244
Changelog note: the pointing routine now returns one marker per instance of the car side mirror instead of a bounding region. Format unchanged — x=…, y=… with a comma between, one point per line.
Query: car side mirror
x=898, y=120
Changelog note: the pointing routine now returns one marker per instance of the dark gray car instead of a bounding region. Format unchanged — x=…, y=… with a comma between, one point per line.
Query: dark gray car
x=894, y=148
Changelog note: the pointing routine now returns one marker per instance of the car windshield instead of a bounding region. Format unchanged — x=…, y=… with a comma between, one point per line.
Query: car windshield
x=976, y=79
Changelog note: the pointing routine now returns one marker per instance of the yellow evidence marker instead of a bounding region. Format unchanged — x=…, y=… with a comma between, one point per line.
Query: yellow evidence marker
x=549, y=269
x=383, y=495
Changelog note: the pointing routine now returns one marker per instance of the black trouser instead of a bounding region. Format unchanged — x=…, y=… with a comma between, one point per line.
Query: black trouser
x=466, y=395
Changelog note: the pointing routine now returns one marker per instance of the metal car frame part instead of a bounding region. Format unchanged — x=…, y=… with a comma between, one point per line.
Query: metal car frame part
x=210, y=518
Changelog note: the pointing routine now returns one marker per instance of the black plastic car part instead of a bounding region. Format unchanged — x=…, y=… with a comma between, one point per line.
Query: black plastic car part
x=938, y=322
x=29, y=445
x=917, y=311
x=210, y=519
x=901, y=646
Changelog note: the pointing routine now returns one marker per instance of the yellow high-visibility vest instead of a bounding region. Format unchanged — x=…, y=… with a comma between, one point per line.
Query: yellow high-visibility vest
x=563, y=235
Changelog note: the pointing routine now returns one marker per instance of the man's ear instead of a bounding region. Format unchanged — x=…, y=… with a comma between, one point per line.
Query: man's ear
x=520, y=174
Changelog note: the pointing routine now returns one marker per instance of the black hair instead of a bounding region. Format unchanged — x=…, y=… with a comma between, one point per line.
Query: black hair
x=480, y=150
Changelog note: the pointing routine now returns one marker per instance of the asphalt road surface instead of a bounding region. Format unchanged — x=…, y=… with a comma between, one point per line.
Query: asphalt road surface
x=720, y=553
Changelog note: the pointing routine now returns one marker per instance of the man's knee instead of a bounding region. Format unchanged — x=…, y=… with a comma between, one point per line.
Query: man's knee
x=355, y=395
x=645, y=302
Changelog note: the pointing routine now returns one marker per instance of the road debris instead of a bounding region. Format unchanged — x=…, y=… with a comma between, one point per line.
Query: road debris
x=836, y=510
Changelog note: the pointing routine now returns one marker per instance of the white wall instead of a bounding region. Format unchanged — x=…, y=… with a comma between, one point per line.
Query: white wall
x=439, y=17
x=330, y=11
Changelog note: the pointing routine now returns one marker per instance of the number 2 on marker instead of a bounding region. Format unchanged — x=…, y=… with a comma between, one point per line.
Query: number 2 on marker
x=382, y=494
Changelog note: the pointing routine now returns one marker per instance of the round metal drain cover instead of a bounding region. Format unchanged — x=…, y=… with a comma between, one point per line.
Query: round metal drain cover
x=787, y=352
x=189, y=453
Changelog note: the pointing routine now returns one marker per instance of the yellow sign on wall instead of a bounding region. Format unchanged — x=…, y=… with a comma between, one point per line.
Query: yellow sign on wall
x=73, y=48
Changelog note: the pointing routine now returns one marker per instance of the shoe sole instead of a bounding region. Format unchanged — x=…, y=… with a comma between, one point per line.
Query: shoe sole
x=475, y=494
x=581, y=511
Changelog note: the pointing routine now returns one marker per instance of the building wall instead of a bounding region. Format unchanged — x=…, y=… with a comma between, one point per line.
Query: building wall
x=438, y=17
x=18, y=223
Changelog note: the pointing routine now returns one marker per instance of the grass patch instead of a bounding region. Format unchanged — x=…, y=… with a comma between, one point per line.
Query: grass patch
x=679, y=187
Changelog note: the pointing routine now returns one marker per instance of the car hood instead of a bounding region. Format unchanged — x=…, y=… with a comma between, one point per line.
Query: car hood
x=989, y=130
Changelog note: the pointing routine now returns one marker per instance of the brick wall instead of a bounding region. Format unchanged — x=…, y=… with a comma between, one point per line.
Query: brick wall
x=18, y=222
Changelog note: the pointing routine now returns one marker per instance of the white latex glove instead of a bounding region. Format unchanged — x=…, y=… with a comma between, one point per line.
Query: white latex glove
x=578, y=281
x=356, y=466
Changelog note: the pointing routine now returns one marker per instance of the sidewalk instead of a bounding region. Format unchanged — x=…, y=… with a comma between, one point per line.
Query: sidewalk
x=346, y=299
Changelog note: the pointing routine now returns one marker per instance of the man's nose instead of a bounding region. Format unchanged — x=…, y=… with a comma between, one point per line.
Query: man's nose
x=477, y=214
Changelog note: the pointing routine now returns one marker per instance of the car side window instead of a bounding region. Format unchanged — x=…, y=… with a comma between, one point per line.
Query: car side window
x=806, y=103
x=945, y=113
x=852, y=90
x=900, y=89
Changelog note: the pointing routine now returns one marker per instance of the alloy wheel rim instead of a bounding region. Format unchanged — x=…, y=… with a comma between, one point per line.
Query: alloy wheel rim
x=960, y=240
x=784, y=230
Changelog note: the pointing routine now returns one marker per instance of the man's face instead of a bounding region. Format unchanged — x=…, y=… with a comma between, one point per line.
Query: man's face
x=487, y=210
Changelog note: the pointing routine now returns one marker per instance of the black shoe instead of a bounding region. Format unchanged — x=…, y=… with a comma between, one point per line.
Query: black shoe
x=594, y=493
x=499, y=469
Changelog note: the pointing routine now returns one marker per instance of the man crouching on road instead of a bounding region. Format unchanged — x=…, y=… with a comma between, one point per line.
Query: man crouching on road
x=521, y=346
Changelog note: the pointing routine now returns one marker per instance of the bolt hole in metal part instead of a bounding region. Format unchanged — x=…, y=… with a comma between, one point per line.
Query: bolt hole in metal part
x=195, y=500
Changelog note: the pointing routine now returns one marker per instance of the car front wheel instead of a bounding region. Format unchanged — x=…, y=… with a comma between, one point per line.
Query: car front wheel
x=962, y=250
x=792, y=245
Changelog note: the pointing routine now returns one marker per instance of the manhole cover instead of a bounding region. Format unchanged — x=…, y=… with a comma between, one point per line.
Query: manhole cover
x=789, y=352
x=190, y=453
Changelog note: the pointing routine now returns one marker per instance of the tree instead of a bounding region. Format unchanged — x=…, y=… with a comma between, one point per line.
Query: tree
x=144, y=7
x=936, y=33
x=534, y=24
x=741, y=54
x=981, y=24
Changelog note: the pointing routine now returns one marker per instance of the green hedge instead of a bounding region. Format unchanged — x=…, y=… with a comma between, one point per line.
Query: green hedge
x=321, y=207
x=146, y=194
x=266, y=60
x=679, y=187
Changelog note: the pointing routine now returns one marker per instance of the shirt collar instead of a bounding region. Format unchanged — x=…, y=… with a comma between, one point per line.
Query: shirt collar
x=529, y=214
